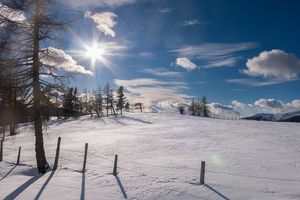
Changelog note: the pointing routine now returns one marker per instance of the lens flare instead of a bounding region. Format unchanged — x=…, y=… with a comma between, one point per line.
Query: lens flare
x=216, y=159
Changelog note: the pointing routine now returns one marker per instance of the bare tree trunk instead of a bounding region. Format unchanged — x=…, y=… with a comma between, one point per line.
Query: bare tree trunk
x=12, y=129
x=42, y=164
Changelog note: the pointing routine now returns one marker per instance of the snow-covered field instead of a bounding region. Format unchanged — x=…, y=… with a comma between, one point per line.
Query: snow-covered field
x=159, y=158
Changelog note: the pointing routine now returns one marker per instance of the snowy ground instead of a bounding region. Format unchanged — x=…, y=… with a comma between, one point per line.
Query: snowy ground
x=159, y=158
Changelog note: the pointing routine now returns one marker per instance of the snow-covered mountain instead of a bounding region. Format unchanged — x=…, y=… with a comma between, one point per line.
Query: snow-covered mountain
x=216, y=109
x=281, y=117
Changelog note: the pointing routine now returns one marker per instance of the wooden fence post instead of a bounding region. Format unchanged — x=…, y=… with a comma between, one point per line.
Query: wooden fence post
x=85, y=155
x=202, y=173
x=115, y=166
x=1, y=150
x=19, y=154
x=57, y=154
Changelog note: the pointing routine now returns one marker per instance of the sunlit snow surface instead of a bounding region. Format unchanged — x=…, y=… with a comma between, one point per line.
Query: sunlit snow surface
x=159, y=158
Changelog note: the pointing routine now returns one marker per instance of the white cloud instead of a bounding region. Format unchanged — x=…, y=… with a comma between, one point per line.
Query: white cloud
x=215, y=54
x=57, y=58
x=185, y=63
x=151, y=91
x=257, y=83
x=84, y=4
x=275, y=64
x=222, y=110
x=165, y=10
x=163, y=72
x=191, y=22
x=273, y=106
x=105, y=22
x=10, y=14
x=296, y=104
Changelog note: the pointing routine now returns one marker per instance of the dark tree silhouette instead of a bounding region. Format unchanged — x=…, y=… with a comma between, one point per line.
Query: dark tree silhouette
x=139, y=106
x=121, y=99
x=204, y=107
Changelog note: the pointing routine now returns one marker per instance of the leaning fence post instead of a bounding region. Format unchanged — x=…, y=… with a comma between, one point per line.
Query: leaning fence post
x=1, y=150
x=115, y=165
x=19, y=154
x=57, y=154
x=85, y=155
x=202, y=172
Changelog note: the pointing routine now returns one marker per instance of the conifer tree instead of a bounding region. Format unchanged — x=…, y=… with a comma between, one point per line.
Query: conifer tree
x=204, y=107
x=121, y=99
x=98, y=102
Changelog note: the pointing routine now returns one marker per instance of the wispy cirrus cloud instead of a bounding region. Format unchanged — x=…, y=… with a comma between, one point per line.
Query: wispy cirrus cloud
x=165, y=10
x=162, y=72
x=257, y=83
x=215, y=54
x=80, y=4
x=192, y=22
x=150, y=91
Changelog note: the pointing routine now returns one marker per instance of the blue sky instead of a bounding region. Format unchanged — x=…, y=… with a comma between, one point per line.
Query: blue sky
x=171, y=50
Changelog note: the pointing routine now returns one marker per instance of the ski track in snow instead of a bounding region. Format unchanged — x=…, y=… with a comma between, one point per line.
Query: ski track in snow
x=159, y=158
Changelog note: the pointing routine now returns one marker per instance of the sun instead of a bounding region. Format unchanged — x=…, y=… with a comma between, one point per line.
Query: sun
x=95, y=52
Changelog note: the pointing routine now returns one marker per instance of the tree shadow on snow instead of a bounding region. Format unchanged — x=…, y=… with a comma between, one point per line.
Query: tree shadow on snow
x=121, y=187
x=14, y=194
x=137, y=120
x=44, y=185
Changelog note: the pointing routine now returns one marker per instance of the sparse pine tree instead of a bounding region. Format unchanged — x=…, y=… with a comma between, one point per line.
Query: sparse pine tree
x=127, y=106
x=204, y=107
x=121, y=99
x=98, y=102
x=181, y=108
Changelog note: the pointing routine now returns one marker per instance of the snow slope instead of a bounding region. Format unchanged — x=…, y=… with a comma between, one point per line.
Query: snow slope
x=159, y=158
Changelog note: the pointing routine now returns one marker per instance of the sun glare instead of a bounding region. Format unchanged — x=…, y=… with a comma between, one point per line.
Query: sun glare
x=95, y=52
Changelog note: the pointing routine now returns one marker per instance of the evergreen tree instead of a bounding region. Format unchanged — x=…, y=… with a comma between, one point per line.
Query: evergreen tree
x=181, y=108
x=109, y=99
x=204, y=107
x=98, y=102
x=121, y=99
x=68, y=102
x=89, y=102
x=127, y=106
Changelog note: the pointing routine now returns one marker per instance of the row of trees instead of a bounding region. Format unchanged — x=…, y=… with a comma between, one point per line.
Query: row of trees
x=99, y=102
x=196, y=108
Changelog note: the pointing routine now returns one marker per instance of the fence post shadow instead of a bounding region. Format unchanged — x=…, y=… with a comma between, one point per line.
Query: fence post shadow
x=44, y=185
x=14, y=194
x=8, y=172
x=217, y=192
x=82, y=194
x=121, y=187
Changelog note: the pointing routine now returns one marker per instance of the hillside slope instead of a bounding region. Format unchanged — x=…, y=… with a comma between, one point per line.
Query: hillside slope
x=159, y=158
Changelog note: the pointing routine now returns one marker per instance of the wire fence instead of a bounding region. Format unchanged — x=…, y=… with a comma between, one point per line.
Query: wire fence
x=72, y=159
